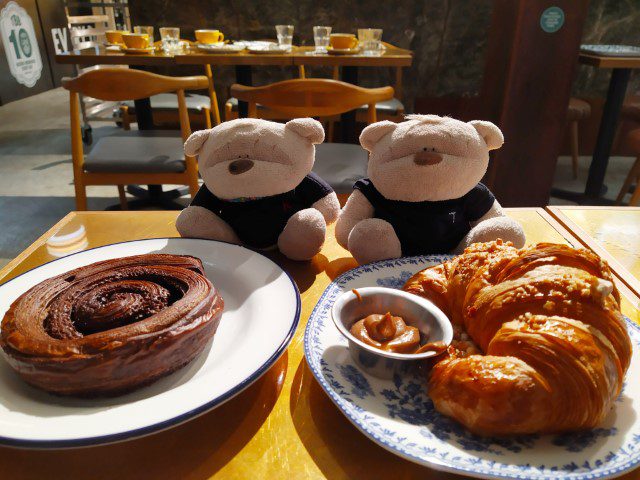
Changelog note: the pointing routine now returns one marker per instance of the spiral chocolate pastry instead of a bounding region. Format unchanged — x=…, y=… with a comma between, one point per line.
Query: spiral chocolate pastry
x=113, y=326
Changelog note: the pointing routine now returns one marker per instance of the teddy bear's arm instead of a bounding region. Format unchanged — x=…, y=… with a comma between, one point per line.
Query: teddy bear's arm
x=356, y=209
x=200, y=222
x=492, y=225
x=329, y=207
x=495, y=211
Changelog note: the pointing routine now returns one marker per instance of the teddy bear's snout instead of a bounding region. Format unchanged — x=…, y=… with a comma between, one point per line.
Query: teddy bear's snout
x=240, y=166
x=427, y=158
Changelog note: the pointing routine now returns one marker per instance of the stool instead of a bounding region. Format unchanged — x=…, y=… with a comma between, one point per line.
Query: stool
x=631, y=108
x=578, y=110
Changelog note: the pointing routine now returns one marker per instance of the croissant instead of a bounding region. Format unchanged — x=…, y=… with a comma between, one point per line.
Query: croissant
x=540, y=345
x=113, y=326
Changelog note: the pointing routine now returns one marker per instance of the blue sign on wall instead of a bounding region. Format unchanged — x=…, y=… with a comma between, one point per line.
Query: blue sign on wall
x=552, y=19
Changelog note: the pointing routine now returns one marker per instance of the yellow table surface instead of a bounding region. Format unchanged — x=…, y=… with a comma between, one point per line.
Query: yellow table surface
x=612, y=232
x=283, y=426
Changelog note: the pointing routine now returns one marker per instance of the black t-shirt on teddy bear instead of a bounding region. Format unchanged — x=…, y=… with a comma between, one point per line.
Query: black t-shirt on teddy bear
x=258, y=222
x=429, y=227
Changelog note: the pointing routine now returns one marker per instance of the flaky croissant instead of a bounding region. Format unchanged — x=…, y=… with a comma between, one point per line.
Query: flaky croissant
x=541, y=345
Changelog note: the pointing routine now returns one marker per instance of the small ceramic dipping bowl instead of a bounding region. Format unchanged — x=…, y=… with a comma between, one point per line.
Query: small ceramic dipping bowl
x=417, y=312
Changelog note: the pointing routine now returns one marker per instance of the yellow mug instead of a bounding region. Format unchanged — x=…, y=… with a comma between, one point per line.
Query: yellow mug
x=209, y=36
x=135, y=40
x=115, y=36
x=343, y=41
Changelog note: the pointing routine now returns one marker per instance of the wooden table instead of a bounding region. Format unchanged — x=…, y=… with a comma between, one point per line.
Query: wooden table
x=284, y=425
x=611, y=232
x=392, y=57
x=243, y=61
x=620, y=73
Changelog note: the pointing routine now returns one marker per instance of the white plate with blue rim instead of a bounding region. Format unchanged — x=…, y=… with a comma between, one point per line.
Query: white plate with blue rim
x=398, y=415
x=261, y=313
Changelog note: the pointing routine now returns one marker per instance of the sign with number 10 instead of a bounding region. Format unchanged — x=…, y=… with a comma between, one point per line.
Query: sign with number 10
x=20, y=44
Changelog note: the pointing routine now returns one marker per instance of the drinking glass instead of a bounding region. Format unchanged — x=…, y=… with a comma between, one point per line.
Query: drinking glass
x=321, y=38
x=145, y=29
x=371, y=41
x=285, y=36
x=170, y=38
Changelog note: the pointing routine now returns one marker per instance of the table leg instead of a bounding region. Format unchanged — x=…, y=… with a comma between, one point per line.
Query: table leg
x=348, y=119
x=607, y=130
x=154, y=195
x=243, y=77
x=144, y=114
x=595, y=187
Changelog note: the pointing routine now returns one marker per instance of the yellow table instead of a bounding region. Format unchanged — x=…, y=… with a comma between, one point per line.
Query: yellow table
x=283, y=426
x=611, y=232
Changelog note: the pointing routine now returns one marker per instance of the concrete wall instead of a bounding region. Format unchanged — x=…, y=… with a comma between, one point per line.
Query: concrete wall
x=447, y=36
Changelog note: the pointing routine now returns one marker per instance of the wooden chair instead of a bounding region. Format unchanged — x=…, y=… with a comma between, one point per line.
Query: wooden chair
x=392, y=109
x=634, y=174
x=578, y=110
x=135, y=157
x=340, y=164
x=165, y=106
x=88, y=31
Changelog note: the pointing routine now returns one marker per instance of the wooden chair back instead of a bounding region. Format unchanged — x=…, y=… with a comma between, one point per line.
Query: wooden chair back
x=87, y=31
x=313, y=97
x=117, y=84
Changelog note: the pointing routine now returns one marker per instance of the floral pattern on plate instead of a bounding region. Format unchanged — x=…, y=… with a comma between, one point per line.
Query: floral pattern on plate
x=399, y=415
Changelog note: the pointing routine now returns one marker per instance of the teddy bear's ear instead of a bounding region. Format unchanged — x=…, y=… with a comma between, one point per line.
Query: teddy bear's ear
x=374, y=132
x=195, y=141
x=489, y=132
x=307, y=128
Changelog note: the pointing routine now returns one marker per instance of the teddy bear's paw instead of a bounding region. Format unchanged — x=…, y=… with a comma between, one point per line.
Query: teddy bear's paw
x=492, y=229
x=199, y=222
x=373, y=239
x=303, y=235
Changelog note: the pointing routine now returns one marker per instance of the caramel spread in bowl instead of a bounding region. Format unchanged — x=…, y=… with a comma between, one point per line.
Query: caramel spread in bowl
x=392, y=334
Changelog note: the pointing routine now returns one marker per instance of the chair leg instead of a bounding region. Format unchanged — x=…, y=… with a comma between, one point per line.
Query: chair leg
x=207, y=117
x=574, y=148
x=330, y=129
x=228, y=112
x=123, y=198
x=126, y=119
x=81, y=196
x=634, y=174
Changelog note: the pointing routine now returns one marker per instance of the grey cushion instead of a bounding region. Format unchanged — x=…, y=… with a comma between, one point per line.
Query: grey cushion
x=169, y=101
x=389, y=107
x=341, y=165
x=154, y=151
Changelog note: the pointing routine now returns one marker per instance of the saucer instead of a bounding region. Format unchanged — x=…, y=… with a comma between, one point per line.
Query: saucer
x=266, y=49
x=343, y=51
x=219, y=47
x=137, y=50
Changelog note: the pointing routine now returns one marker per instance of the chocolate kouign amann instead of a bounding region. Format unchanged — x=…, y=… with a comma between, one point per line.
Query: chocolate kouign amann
x=112, y=326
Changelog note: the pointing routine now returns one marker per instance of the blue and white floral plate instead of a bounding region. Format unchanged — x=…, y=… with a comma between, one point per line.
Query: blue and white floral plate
x=398, y=414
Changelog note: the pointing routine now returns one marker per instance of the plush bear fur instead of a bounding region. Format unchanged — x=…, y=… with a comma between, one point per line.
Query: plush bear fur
x=249, y=159
x=426, y=158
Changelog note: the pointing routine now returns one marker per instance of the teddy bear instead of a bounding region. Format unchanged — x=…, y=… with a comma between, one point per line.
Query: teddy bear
x=258, y=189
x=423, y=193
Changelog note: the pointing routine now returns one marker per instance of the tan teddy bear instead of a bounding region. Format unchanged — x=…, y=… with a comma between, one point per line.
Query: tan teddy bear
x=423, y=194
x=258, y=187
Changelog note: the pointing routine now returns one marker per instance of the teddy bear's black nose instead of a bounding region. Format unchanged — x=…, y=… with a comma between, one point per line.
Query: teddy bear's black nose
x=240, y=166
x=427, y=158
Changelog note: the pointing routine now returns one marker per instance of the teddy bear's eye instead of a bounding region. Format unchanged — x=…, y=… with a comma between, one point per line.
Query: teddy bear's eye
x=424, y=149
